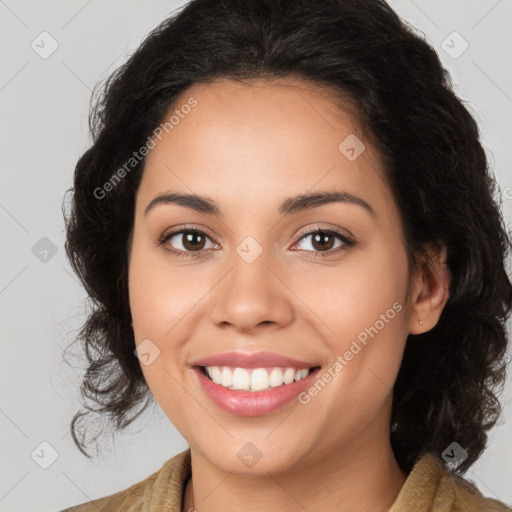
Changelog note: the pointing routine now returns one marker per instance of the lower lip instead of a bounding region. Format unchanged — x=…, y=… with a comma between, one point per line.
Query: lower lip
x=247, y=403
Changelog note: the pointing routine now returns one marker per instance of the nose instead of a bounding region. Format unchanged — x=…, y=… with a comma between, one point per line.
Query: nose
x=253, y=295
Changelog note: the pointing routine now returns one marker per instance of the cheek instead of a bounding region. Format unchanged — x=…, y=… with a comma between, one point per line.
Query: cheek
x=158, y=294
x=352, y=297
x=362, y=303
x=373, y=344
x=164, y=303
x=157, y=303
x=150, y=298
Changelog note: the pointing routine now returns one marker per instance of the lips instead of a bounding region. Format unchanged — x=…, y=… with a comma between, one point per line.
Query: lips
x=247, y=403
x=254, y=360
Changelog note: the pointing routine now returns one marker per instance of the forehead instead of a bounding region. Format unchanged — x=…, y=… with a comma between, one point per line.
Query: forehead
x=241, y=141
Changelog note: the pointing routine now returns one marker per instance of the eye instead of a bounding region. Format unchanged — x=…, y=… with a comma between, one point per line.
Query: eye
x=187, y=240
x=191, y=242
x=323, y=240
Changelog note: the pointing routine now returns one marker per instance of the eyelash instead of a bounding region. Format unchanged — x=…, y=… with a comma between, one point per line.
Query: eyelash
x=348, y=242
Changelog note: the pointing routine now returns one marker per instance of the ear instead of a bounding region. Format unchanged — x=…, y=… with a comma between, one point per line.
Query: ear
x=430, y=289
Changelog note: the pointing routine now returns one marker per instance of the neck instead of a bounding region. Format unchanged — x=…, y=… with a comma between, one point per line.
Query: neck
x=361, y=475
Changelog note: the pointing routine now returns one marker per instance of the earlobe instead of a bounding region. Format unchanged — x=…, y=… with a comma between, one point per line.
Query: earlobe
x=431, y=292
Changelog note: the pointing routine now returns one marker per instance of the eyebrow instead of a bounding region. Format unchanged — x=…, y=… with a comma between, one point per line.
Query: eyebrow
x=298, y=203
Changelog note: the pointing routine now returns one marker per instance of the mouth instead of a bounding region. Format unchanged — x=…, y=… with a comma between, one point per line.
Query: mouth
x=253, y=383
x=255, y=380
x=253, y=391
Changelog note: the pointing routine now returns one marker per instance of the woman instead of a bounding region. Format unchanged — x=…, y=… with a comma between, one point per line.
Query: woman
x=287, y=225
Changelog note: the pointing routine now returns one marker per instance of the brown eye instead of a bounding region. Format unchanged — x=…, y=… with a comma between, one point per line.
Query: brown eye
x=193, y=240
x=186, y=241
x=323, y=241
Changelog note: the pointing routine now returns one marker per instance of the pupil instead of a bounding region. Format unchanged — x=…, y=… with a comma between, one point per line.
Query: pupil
x=190, y=242
x=322, y=240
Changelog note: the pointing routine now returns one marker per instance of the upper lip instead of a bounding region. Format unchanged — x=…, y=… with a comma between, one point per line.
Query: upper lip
x=254, y=360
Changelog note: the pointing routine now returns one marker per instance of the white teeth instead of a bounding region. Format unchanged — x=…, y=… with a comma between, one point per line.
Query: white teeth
x=289, y=375
x=214, y=374
x=256, y=379
x=226, y=377
x=300, y=374
x=276, y=377
x=241, y=379
x=259, y=379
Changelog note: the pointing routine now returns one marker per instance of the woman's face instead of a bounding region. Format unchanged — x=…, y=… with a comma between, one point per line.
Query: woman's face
x=260, y=277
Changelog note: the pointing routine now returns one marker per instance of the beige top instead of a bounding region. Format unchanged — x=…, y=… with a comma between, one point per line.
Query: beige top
x=430, y=487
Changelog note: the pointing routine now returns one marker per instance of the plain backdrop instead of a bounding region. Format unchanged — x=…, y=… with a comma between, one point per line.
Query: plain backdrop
x=44, y=101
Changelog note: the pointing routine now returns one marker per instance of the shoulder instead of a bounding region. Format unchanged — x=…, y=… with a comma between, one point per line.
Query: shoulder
x=431, y=485
x=465, y=495
x=164, y=485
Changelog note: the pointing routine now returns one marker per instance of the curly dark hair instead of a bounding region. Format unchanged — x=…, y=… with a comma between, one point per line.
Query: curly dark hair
x=450, y=378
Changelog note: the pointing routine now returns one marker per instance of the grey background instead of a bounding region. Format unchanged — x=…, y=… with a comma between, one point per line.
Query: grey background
x=44, y=106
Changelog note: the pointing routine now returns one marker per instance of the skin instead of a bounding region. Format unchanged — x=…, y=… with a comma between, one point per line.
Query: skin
x=248, y=148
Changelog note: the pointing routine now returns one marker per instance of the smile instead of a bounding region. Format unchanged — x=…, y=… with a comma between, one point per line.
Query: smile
x=253, y=392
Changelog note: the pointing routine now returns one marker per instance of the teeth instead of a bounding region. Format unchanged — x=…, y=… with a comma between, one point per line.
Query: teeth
x=254, y=379
x=241, y=379
x=226, y=378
